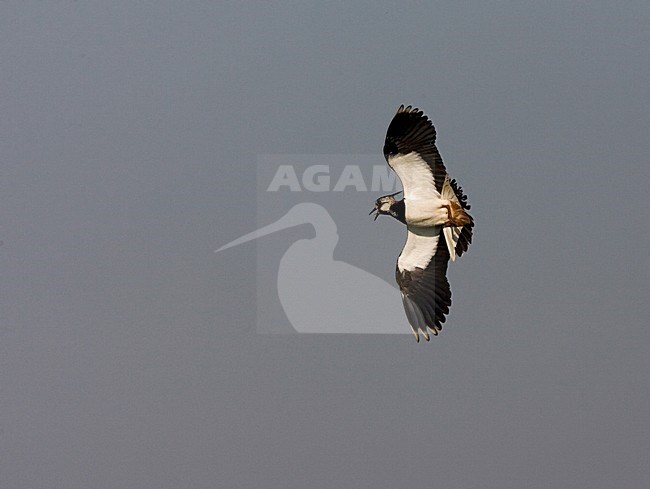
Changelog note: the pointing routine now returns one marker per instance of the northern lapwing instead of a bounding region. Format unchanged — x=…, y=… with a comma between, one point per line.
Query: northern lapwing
x=434, y=210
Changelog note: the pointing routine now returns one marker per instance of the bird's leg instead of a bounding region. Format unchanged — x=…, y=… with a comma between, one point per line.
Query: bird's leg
x=450, y=215
x=448, y=207
x=456, y=216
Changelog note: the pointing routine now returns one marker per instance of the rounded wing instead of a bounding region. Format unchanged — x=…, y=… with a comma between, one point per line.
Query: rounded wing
x=410, y=150
x=422, y=278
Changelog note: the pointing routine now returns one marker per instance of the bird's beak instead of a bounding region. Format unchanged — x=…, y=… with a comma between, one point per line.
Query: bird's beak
x=376, y=211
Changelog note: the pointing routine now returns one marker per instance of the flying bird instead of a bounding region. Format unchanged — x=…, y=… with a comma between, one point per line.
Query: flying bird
x=434, y=209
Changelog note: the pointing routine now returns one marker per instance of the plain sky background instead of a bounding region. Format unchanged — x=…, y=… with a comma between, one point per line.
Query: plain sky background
x=129, y=356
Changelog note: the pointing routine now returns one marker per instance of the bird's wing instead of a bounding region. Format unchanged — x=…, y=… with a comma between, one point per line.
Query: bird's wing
x=422, y=278
x=410, y=150
x=458, y=238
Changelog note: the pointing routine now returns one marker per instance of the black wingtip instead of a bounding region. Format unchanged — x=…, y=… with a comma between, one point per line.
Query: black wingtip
x=410, y=130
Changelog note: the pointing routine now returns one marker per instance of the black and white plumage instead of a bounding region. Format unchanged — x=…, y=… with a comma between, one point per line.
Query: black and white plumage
x=434, y=210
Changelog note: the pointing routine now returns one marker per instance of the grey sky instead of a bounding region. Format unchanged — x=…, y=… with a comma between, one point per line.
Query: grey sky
x=129, y=356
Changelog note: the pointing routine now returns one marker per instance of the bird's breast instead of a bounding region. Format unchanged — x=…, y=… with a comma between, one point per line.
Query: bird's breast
x=426, y=212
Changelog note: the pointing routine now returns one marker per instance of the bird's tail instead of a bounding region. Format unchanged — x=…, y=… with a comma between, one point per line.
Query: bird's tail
x=458, y=237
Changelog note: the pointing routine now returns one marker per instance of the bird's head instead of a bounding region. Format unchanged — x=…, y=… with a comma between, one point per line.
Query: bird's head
x=385, y=205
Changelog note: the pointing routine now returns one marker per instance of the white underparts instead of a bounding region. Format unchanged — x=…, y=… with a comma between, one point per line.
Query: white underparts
x=427, y=212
